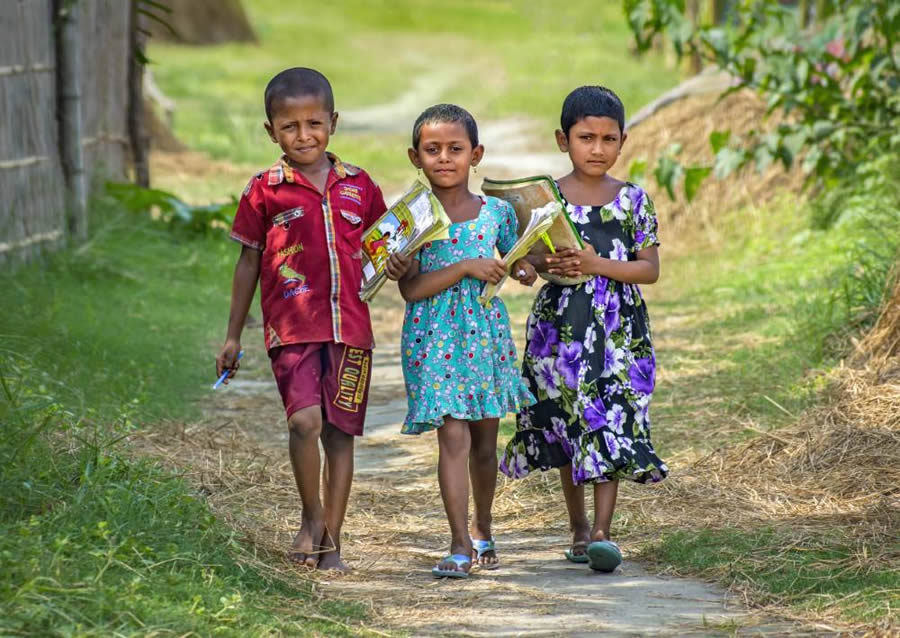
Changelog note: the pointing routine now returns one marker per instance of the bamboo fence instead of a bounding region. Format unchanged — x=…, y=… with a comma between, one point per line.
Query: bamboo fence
x=33, y=184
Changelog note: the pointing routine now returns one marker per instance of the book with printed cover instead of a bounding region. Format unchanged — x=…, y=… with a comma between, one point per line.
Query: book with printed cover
x=414, y=219
x=530, y=193
x=540, y=222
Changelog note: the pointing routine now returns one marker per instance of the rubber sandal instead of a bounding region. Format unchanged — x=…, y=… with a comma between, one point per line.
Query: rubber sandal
x=581, y=558
x=604, y=556
x=457, y=559
x=481, y=547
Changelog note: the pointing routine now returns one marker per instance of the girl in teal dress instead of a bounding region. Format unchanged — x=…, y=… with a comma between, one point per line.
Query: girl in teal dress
x=459, y=359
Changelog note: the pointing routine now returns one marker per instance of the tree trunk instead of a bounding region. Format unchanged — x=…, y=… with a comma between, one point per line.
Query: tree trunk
x=137, y=133
x=68, y=80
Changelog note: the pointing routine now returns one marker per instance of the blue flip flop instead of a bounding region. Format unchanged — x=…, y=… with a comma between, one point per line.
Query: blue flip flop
x=604, y=556
x=481, y=547
x=457, y=559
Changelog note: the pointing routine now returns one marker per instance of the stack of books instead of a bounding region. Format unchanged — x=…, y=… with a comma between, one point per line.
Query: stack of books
x=531, y=194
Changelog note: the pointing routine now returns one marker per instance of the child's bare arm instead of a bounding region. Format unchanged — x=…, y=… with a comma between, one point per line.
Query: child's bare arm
x=418, y=285
x=574, y=263
x=246, y=274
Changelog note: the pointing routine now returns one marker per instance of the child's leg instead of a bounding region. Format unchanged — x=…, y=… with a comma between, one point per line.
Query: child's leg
x=578, y=522
x=483, y=474
x=305, y=427
x=337, y=476
x=604, y=506
x=454, y=442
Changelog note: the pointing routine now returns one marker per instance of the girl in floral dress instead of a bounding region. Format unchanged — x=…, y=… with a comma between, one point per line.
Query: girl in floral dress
x=589, y=358
x=459, y=360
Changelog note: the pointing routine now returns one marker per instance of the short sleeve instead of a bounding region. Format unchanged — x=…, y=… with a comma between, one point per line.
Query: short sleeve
x=646, y=226
x=249, y=226
x=509, y=226
x=375, y=205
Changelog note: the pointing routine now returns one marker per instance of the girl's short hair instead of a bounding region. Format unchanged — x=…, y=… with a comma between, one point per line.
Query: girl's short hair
x=442, y=113
x=587, y=101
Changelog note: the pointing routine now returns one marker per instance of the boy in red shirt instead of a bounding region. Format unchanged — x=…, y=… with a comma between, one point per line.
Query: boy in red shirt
x=300, y=226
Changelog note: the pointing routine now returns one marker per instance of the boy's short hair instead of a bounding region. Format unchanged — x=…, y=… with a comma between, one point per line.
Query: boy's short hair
x=442, y=113
x=587, y=101
x=298, y=81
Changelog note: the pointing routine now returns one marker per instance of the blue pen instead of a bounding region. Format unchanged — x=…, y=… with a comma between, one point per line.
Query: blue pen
x=225, y=374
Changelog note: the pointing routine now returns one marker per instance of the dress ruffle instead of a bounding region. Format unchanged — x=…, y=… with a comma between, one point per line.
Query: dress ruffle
x=426, y=414
x=591, y=457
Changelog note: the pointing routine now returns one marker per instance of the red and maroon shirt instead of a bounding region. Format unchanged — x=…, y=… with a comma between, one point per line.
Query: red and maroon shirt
x=311, y=265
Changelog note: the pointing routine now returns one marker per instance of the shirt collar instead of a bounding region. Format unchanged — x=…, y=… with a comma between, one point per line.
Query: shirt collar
x=281, y=171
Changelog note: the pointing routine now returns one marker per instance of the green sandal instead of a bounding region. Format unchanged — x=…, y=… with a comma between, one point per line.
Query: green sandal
x=581, y=558
x=604, y=556
x=481, y=547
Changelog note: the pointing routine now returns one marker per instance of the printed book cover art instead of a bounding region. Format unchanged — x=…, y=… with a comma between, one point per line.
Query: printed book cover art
x=414, y=219
x=390, y=235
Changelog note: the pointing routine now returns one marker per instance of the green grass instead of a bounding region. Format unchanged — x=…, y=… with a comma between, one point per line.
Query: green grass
x=113, y=336
x=811, y=575
x=497, y=59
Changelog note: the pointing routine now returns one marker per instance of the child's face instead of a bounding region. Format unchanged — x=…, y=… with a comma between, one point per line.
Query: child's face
x=302, y=126
x=593, y=144
x=445, y=154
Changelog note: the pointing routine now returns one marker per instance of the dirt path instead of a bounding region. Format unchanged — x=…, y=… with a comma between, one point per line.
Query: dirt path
x=396, y=531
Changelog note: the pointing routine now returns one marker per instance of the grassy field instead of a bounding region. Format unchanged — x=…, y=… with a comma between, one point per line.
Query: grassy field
x=498, y=59
x=115, y=336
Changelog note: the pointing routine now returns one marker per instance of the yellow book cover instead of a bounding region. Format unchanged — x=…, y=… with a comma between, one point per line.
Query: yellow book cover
x=417, y=217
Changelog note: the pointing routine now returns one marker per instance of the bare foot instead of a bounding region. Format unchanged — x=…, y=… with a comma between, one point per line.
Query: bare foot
x=303, y=550
x=330, y=558
x=332, y=561
x=488, y=558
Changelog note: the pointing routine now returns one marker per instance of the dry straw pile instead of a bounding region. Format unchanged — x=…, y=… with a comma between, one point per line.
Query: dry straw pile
x=689, y=122
x=836, y=470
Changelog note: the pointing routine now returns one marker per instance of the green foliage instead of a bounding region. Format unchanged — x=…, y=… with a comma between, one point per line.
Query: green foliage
x=178, y=215
x=837, y=85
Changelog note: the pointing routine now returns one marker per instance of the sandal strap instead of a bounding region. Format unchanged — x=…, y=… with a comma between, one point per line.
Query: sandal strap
x=457, y=559
x=483, y=546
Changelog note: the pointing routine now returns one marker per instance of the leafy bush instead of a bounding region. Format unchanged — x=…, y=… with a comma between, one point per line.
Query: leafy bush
x=837, y=84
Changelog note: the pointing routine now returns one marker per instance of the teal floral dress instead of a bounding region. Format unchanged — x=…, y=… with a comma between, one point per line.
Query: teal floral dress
x=459, y=358
x=589, y=360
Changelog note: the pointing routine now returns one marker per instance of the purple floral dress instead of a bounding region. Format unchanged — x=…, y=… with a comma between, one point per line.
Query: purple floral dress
x=589, y=361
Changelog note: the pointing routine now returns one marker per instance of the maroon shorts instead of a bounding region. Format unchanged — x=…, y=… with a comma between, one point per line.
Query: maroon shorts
x=334, y=376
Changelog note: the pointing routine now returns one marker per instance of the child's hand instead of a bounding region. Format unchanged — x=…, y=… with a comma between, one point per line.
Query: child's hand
x=228, y=358
x=572, y=263
x=397, y=266
x=491, y=270
x=524, y=272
